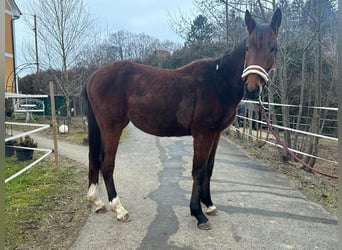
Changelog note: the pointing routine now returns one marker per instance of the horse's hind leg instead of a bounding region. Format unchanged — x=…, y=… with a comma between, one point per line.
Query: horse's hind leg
x=93, y=176
x=110, y=146
x=94, y=159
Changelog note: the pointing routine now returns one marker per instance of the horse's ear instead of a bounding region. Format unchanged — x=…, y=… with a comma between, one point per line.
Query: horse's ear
x=250, y=22
x=276, y=20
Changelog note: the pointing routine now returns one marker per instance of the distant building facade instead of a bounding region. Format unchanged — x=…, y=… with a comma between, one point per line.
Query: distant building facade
x=12, y=13
x=162, y=53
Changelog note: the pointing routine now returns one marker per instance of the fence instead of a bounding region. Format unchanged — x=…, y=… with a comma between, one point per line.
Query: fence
x=40, y=127
x=249, y=117
x=47, y=151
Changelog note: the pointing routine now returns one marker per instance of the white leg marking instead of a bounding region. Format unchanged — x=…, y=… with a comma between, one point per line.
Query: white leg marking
x=121, y=212
x=93, y=197
x=212, y=210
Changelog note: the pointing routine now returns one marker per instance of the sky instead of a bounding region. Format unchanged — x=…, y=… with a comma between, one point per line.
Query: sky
x=148, y=16
x=137, y=16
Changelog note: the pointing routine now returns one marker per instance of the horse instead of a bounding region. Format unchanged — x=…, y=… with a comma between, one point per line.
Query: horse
x=199, y=99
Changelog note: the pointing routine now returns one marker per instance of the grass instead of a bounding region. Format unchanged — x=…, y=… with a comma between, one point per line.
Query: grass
x=36, y=198
x=43, y=207
x=12, y=165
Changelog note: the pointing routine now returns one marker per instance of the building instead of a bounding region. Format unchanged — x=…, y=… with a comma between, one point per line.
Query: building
x=12, y=13
x=162, y=53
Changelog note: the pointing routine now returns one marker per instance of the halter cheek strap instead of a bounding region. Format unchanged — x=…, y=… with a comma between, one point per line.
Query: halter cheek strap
x=256, y=69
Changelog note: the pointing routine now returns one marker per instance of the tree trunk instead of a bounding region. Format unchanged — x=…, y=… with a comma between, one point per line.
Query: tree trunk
x=301, y=101
x=285, y=100
x=315, y=122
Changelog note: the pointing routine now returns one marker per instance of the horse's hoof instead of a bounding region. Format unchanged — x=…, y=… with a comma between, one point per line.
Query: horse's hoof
x=205, y=226
x=212, y=211
x=101, y=210
x=124, y=218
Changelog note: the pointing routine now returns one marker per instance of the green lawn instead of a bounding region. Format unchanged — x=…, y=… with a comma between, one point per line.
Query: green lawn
x=37, y=200
x=44, y=208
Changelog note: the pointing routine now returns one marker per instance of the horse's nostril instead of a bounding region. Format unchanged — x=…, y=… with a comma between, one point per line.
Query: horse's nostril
x=251, y=89
x=252, y=94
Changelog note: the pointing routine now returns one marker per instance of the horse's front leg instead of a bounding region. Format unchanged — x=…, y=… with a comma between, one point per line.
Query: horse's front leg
x=114, y=200
x=203, y=144
x=205, y=194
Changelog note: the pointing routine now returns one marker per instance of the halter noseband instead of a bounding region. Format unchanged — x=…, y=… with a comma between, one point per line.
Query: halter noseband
x=256, y=69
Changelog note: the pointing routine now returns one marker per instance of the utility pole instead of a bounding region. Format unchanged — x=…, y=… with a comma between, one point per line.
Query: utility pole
x=36, y=41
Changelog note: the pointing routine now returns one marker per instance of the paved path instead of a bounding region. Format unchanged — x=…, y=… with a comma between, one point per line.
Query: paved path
x=258, y=208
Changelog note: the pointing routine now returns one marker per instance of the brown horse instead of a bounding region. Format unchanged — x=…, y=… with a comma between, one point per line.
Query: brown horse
x=199, y=99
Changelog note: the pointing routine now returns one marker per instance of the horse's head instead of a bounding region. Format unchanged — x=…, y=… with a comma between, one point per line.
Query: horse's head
x=261, y=51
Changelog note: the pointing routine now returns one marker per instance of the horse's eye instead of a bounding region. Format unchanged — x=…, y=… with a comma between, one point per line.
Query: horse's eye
x=274, y=49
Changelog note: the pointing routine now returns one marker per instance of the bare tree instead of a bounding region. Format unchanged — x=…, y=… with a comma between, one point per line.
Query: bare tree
x=62, y=28
x=125, y=45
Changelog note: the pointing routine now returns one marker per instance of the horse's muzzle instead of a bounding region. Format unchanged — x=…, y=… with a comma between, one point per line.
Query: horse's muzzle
x=263, y=78
x=253, y=95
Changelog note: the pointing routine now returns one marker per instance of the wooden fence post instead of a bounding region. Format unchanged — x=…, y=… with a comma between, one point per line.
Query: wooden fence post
x=54, y=121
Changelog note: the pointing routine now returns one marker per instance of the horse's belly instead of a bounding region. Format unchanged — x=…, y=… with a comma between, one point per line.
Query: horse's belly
x=163, y=115
x=161, y=130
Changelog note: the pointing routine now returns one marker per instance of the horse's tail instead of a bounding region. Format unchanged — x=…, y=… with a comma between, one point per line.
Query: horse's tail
x=94, y=135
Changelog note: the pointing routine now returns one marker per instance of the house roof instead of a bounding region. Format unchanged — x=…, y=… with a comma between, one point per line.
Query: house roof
x=14, y=8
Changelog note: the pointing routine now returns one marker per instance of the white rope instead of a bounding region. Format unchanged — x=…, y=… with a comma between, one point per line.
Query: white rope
x=291, y=129
x=27, y=124
x=41, y=127
x=290, y=105
x=49, y=151
x=293, y=150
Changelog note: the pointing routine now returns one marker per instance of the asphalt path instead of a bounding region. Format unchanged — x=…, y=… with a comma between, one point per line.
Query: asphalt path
x=257, y=207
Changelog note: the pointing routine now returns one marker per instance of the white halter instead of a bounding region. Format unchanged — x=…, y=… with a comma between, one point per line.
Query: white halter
x=255, y=69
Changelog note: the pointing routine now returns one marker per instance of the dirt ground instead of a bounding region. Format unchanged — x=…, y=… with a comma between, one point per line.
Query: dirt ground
x=316, y=187
x=61, y=228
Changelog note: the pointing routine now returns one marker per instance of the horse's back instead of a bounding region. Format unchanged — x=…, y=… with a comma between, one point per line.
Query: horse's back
x=158, y=101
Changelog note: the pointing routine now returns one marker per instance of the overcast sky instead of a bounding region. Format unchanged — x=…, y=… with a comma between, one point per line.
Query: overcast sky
x=148, y=16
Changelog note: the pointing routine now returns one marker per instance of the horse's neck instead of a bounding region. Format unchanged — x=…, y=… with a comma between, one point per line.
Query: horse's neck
x=231, y=65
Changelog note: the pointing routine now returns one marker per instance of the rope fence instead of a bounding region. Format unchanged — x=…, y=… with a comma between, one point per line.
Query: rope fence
x=40, y=128
x=48, y=151
x=247, y=132
x=13, y=137
x=29, y=100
